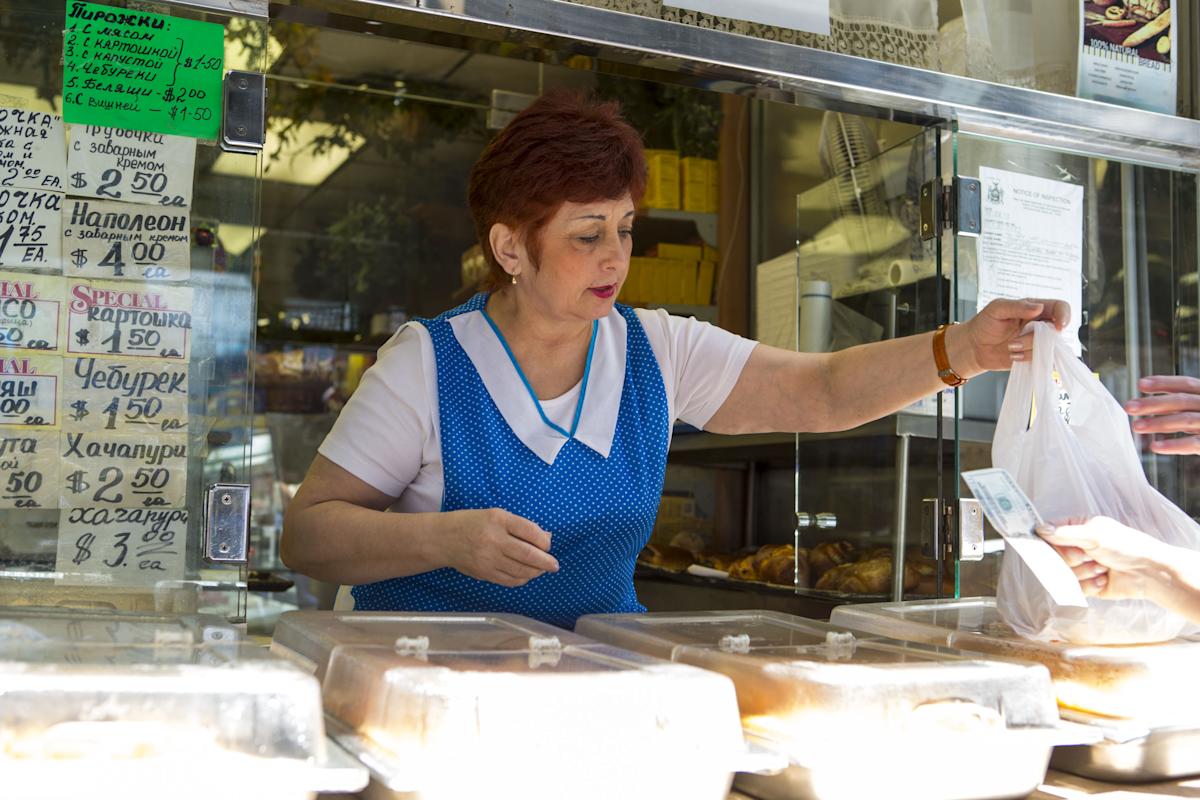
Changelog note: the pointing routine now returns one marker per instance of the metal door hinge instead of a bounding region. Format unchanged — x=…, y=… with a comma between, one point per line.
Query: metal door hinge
x=243, y=123
x=950, y=208
x=968, y=545
x=226, y=523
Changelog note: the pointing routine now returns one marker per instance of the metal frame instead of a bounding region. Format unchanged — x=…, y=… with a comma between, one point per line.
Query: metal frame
x=253, y=9
x=637, y=46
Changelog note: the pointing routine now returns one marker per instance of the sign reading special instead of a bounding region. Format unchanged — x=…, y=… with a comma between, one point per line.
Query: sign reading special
x=30, y=312
x=110, y=470
x=121, y=546
x=29, y=469
x=29, y=389
x=113, y=318
x=122, y=240
x=101, y=394
x=33, y=150
x=30, y=228
x=143, y=71
x=132, y=166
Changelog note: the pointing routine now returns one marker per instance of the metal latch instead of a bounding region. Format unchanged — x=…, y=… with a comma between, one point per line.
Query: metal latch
x=413, y=646
x=969, y=544
x=970, y=530
x=739, y=643
x=956, y=207
x=544, y=651
x=243, y=123
x=226, y=523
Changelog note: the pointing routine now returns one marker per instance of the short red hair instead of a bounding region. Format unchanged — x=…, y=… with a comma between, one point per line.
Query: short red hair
x=565, y=147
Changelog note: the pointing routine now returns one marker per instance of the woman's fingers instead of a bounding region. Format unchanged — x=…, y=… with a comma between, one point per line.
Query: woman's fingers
x=1156, y=384
x=1180, y=446
x=1019, y=349
x=1074, y=556
x=1088, y=570
x=529, y=556
x=1160, y=404
x=1094, y=586
x=1170, y=423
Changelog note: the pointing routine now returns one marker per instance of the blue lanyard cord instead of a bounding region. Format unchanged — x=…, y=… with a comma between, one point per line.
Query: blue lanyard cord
x=587, y=370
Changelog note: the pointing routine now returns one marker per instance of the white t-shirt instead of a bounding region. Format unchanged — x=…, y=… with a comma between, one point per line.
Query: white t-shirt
x=387, y=435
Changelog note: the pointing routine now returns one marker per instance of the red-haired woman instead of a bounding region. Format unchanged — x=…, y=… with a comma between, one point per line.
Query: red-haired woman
x=522, y=437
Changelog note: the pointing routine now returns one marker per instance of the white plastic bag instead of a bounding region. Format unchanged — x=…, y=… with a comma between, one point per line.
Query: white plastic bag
x=1075, y=470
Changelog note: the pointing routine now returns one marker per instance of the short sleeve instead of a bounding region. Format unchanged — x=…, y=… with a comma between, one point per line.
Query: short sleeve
x=380, y=435
x=701, y=363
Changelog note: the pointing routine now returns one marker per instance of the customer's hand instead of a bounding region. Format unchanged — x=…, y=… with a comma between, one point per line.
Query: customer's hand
x=497, y=546
x=1173, y=408
x=995, y=332
x=1111, y=561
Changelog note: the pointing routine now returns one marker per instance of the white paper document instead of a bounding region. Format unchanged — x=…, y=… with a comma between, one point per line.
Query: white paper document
x=1014, y=517
x=1031, y=244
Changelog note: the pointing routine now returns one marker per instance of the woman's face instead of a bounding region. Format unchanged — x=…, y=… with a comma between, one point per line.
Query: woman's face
x=584, y=259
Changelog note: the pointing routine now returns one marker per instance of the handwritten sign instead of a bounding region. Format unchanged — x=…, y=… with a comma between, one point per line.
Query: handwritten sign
x=125, y=319
x=122, y=240
x=30, y=312
x=29, y=469
x=105, y=469
x=142, y=71
x=30, y=228
x=124, y=396
x=29, y=391
x=121, y=546
x=33, y=150
x=133, y=166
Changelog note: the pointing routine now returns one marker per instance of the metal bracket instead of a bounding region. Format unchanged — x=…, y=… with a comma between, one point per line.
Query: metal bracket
x=955, y=208
x=243, y=124
x=970, y=530
x=226, y=523
x=969, y=546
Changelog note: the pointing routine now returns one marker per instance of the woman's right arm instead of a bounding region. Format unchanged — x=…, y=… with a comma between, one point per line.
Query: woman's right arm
x=337, y=529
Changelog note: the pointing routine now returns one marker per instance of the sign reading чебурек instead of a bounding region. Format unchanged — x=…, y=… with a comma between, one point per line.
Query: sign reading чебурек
x=142, y=71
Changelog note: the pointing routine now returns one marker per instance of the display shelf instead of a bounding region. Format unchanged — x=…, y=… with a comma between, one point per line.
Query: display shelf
x=706, y=223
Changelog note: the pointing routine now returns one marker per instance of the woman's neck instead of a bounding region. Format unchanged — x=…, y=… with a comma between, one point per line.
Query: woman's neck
x=530, y=328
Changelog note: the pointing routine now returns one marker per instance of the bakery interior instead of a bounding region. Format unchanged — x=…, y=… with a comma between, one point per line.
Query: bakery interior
x=777, y=561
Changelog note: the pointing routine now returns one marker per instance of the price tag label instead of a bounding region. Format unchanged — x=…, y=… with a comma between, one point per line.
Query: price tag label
x=132, y=166
x=29, y=391
x=124, y=396
x=121, y=546
x=29, y=469
x=33, y=150
x=122, y=240
x=106, y=469
x=30, y=228
x=144, y=71
x=114, y=318
x=30, y=312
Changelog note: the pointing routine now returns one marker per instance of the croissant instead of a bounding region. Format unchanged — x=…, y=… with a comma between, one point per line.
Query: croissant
x=827, y=555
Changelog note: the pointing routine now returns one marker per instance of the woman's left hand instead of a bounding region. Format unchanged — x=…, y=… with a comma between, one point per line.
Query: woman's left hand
x=995, y=336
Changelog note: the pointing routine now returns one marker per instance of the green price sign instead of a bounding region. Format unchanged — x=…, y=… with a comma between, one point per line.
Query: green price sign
x=141, y=71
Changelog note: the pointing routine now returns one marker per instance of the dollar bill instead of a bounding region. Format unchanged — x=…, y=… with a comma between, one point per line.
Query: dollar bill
x=1014, y=517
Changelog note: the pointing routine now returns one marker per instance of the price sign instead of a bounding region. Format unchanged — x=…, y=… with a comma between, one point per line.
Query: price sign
x=29, y=391
x=113, y=318
x=30, y=312
x=121, y=546
x=33, y=150
x=132, y=166
x=30, y=228
x=100, y=394
x=105, y=469
x=143, y=71
x=29, y=469
x=122, y=240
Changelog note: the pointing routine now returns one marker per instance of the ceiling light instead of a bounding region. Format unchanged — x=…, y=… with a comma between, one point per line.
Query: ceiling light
x=236, y=239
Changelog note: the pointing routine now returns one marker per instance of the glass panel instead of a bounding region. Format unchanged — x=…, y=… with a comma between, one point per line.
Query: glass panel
x=1135, y=279
x=145, y=398
x=862, y=272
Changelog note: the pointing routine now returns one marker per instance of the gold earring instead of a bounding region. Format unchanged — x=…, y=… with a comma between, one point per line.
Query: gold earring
x=514, y=279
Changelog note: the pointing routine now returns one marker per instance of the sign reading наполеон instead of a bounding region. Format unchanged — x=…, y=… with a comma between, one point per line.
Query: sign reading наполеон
x=142, y=71
x=123, y=240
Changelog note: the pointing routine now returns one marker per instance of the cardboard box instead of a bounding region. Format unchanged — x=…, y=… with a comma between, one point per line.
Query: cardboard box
x=705, y=282
x=662, y=182
x=695, y=175
x=681, y=252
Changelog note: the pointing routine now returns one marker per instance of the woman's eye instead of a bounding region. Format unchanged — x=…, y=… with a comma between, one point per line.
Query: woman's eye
x=627, y=233
x=590, y=239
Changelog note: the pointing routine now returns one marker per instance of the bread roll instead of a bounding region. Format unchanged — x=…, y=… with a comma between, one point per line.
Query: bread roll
x=827, y=555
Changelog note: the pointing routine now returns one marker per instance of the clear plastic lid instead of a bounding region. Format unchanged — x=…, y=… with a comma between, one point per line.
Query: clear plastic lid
x=111, y=627
x=466, y=705
x=798, y=680
x=1148, y=682
x=308, y=637
x=146, y=703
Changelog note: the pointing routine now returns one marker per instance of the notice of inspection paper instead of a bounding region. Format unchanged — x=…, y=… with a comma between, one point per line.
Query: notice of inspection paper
x=1031, y=244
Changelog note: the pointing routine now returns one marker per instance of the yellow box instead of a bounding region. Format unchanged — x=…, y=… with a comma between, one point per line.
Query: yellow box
x=662, y=182
x=680, y=252
x=704, y=283
x=637, y=287
x=710, y=254
x=695, y=175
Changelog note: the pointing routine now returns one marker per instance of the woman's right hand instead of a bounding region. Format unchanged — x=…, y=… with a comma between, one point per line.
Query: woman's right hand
x=497, y=546
x=1110, y=560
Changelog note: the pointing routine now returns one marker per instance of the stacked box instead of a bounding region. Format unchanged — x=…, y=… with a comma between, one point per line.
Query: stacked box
x=662, y=183
x=699, y=180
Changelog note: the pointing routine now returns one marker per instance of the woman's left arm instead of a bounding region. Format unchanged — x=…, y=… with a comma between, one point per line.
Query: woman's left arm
x=780, y=390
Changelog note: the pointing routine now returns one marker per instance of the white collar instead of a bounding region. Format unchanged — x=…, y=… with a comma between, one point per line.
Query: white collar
x=601, y=402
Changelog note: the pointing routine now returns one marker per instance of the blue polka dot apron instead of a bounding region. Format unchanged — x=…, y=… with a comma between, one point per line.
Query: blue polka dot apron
x=599, y=511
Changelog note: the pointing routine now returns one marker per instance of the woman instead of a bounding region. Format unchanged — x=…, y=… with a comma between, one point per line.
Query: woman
x=523, y=436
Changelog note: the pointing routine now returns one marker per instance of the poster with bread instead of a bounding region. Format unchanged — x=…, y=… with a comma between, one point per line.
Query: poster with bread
x=1126, y=54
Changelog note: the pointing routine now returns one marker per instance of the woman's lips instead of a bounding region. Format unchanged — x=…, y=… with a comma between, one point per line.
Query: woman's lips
x=604, y=292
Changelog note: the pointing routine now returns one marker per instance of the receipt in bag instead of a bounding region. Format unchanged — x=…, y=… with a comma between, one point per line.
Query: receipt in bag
x=1013, y=516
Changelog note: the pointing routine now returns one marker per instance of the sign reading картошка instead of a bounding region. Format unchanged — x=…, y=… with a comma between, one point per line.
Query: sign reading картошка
x=141, y=71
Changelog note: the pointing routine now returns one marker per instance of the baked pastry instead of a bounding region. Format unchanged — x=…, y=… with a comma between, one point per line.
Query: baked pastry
x=873, y=576
x=673, y=559
x=721, y=561
x=827, y=555
x=743, y=569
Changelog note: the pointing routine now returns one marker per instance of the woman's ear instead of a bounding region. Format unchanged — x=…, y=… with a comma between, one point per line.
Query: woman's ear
x=506, y=246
